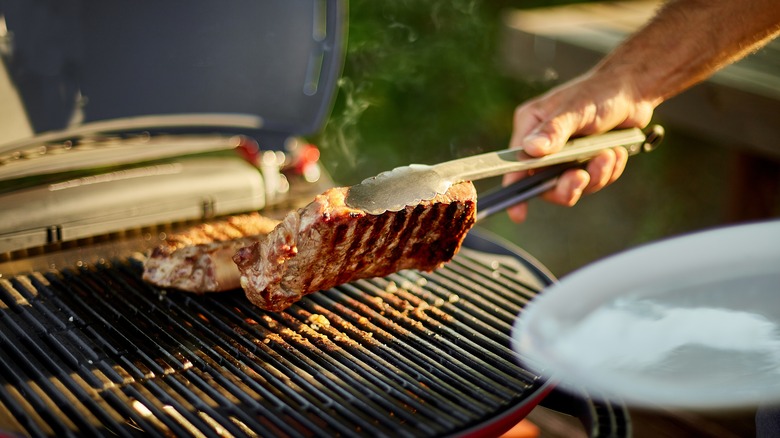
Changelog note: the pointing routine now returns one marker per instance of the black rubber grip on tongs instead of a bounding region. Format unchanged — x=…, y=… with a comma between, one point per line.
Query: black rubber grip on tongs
x=504, y=197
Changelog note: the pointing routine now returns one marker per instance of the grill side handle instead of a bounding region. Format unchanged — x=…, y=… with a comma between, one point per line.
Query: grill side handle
x=600, y=418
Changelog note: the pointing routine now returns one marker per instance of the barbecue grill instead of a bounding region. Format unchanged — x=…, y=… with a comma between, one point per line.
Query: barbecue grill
x=89, y=349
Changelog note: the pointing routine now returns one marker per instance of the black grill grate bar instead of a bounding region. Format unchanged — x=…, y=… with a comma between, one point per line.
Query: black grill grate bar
x=33, y=365
x=323, y=355
x=416, y=331
x=300, y=385
x=25, y=415
x=422, y=343
x=389, y=378
x=26, y=404
x=456, y=280
x=360, y=393
x=149, y=366
x=21, y=293
x=188, y=386
x=302, y=355
x=149, y=361
x=439, y=305
x=481, y=298
x=444, y=307
x=474, y=335
x=504, y=272
x=135, y=358
x=435, y=386
x=373, y=376
x=468, y=351
x=149, y=405
x=431, y=373
x=222, y=354
x=217, y=330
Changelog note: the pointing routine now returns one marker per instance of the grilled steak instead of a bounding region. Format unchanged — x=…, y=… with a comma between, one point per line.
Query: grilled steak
x=328, y=243
x=200, y=258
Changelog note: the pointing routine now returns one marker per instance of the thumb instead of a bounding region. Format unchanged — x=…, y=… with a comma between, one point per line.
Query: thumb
x=547, y=138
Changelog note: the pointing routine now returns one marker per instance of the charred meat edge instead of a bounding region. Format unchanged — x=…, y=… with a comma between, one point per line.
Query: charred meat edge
x=199, y=259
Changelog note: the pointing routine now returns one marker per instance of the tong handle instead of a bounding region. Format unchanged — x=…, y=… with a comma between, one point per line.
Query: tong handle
x=536, y=184
x=496, y=163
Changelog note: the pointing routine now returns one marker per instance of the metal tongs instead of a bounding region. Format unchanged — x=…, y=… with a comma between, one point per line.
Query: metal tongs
x=409, y=185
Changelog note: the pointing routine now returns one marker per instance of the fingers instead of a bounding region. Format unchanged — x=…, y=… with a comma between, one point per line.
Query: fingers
x=621, y=159
x=518, y=213
x=567, y=191
x=601, y=171
x=569, y=188
x=605, y=168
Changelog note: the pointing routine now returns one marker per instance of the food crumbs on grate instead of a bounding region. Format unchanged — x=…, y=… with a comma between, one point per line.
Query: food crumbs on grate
x=295, y=336
x=316, y=321
x=270, y=322
x=419, y=311
x=391, y=287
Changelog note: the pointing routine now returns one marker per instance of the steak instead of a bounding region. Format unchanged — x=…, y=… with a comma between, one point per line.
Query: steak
x=328, y=243
x=200, y=258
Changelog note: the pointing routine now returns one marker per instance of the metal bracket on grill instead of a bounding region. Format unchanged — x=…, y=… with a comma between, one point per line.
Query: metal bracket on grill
x=54, y=234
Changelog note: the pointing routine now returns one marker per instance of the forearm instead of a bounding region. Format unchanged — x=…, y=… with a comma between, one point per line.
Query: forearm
x=689, y=40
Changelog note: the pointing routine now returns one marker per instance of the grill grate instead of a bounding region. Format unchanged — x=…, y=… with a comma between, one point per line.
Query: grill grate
x=94, y=350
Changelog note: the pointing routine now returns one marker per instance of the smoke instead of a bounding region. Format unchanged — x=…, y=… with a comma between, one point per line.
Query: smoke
x=344, y=125
x=420, y=85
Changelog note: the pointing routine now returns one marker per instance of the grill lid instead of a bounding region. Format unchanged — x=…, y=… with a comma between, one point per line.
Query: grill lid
x=266, y=67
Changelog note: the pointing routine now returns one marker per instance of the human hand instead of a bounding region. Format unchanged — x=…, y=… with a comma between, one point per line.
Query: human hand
x=592, y=104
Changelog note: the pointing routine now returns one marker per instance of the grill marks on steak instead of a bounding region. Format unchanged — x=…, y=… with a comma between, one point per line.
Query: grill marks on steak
x=200, y=258
x=328, y=243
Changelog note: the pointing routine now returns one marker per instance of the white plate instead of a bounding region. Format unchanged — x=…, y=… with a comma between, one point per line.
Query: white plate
x=688, y=322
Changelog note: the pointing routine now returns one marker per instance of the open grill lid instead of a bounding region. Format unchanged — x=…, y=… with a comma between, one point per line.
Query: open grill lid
x=258, y=68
